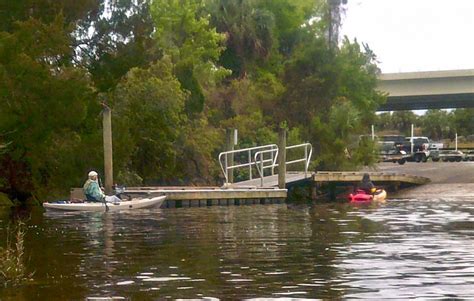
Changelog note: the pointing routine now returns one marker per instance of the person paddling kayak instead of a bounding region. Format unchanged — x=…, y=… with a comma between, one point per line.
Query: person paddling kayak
x=91, y=188
x=366, y=185
x=366, y=192
x=94, y=193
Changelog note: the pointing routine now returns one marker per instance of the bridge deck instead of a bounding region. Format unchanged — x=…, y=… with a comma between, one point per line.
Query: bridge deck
x=428, y=90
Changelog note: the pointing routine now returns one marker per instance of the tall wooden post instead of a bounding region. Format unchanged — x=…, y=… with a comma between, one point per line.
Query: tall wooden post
x=282, y=158
x=107, y=134
x=229, y=136
x=456, y=142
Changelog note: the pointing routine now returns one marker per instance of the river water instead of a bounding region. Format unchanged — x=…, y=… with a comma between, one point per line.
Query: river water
x=401, y=249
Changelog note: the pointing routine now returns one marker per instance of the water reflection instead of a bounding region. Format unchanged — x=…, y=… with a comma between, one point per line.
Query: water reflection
x=330, y=251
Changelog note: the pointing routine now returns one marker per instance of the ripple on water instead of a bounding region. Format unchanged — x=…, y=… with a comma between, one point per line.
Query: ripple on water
x=164, y=279
x=125, y=282
x=290, y=293
x=240, y=280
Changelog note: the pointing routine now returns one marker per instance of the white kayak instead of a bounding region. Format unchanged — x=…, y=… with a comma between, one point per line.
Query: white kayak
x=123, y=205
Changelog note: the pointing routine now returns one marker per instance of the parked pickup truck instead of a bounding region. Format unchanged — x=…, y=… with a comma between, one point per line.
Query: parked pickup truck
x=421, y=146
x=391, y=149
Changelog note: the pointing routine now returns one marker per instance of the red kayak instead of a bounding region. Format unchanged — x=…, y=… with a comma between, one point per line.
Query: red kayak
x=360, y=196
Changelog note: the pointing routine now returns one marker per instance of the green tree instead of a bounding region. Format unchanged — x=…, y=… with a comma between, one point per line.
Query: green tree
x=383, y=122
x=437, y=124
x=358, y=79
x=402, y=120
x=183, y=32
x=249, y=29
x=290, y=17
x=332, y=96
x=198, y=147
x=155, y=141
x=45, y=102
x=114, y=37
x=309, y=78
x=44, y=11
x=148, y=110
x=333, y=16
x=463, y=121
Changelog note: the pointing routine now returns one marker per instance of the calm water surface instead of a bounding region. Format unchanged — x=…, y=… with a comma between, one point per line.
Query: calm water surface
x=401, y=249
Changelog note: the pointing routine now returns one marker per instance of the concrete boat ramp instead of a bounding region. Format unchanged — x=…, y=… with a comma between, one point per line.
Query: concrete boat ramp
x=449, y=180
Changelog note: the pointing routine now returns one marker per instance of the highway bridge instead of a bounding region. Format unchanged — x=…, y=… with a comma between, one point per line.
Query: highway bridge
x=428, y=90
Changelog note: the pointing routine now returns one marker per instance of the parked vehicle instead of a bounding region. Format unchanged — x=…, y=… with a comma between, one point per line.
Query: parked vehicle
x=419, y=144
x=396, y=140
x=469, y=156
x=421, y=150
x=436, y=145
x=391, y=149
x=447, y=155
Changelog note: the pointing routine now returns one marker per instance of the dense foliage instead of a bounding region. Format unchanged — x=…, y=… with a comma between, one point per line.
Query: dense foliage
x=176, y=74
x=435, y=124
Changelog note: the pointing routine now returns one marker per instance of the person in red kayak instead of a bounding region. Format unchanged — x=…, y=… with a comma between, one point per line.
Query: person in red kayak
x=366, y=185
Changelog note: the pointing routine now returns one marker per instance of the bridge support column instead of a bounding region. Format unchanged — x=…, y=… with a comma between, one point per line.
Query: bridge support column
x=282, y=158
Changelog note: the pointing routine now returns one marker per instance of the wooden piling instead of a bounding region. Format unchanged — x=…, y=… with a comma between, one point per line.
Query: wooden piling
x=229, y=133
x=314, y=191
x=108, y=160
x=282, y=158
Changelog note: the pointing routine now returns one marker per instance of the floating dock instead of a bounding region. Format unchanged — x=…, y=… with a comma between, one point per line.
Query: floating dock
x=190, y=196
x=323, y=177
x=251, y=192
x=213, y=196
x=378, y=177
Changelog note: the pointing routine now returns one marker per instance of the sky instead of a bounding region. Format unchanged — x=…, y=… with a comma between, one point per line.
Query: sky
x=414, y=35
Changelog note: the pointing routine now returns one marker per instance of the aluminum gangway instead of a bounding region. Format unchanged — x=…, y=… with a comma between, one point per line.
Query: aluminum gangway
x=257, y=166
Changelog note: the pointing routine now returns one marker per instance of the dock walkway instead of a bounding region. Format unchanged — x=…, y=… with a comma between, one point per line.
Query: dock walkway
x=385, y=177
x=272, y=181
